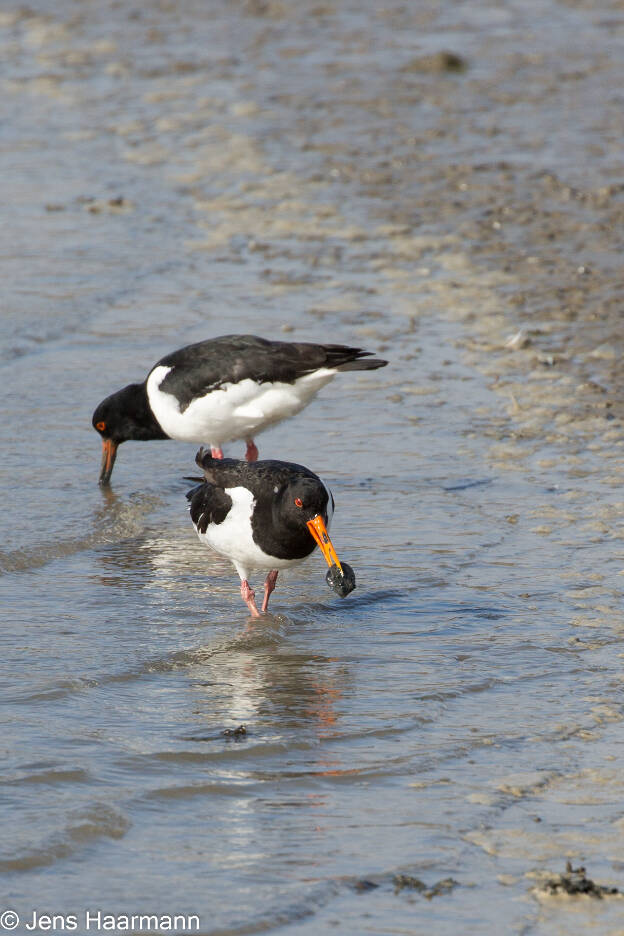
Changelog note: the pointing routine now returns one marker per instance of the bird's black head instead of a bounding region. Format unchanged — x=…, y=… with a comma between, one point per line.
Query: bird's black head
x=287, y=499
x=302, y=499
x=306, y=503
x=123, y=415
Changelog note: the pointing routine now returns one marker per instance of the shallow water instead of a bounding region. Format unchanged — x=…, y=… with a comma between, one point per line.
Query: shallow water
x=182, y=171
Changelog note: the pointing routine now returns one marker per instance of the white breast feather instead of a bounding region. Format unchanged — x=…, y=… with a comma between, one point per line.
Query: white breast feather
x=233, y=537
x=235, y=411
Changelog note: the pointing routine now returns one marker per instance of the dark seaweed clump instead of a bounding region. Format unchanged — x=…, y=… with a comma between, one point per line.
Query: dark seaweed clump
x=403, y=881
x=574, y=881
x=240, y=732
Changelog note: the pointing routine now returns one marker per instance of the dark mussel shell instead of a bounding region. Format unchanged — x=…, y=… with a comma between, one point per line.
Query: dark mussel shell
x=343, y=582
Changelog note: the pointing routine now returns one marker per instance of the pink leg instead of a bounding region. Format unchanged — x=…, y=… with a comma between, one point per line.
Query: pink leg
x=249, y=597
x=252, y=452
x=216, y=451
x=269, y=586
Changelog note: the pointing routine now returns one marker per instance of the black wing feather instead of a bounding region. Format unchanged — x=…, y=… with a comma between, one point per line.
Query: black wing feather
x=258, y=477
x=208, y=365
x=208, y=504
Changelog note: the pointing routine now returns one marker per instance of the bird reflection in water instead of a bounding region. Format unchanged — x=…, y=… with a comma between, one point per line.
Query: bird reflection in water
x=248, y=672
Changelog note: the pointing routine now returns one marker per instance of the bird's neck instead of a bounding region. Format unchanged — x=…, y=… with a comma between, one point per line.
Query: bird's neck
x=145, y=425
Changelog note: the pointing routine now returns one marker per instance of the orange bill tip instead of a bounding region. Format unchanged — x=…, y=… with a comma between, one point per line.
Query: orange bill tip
x=318, y=530
x=109, y=453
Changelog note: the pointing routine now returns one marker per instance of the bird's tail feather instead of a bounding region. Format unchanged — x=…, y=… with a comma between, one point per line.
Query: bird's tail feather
x=363, y=364
x=205, y=460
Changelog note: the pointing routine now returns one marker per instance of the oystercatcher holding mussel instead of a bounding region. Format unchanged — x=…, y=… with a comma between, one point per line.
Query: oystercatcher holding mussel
x=267, y=515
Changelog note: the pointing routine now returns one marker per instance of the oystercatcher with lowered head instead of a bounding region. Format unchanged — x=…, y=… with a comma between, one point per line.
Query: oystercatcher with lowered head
x=267, y=515
x=222, y=389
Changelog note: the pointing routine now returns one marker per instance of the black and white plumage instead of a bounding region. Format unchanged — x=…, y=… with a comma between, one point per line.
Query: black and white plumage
x=267, y=515
x=226, y=388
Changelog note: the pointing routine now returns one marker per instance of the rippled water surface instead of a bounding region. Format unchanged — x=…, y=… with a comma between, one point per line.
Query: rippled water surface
x=170, y=172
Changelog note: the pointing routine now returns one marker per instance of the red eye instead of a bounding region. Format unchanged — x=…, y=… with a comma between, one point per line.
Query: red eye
x=101, y=426
x=298, y=502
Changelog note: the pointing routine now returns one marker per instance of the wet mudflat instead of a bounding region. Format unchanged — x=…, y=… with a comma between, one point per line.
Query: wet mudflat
x=424, y=754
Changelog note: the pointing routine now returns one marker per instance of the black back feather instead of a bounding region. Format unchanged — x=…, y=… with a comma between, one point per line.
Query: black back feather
x=208, y=365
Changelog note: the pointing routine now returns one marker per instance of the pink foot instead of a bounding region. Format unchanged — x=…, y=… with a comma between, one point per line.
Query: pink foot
x=216, y=451
x=252, y=452
x=269, y=586
x=249, y=597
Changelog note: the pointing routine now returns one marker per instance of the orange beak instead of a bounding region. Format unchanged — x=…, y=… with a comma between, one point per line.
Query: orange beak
x=317, y=528
x=109, y=453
